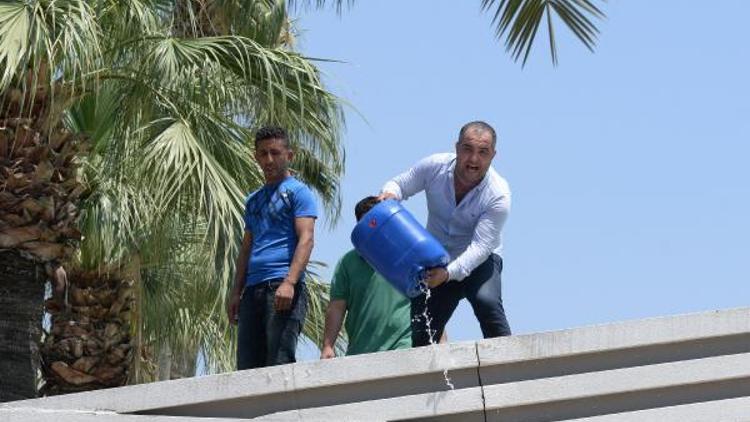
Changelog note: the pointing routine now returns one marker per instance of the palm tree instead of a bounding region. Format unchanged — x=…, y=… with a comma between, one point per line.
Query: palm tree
x=38, y=178
x=165, y=177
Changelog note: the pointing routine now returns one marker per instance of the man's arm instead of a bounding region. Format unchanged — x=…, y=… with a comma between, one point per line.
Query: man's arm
x=409, y=182
x=334, y=319
x=305, y=229
x=486, y=239
x=233, y=306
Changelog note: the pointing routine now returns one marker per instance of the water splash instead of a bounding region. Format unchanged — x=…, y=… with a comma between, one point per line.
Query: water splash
x=448, y=379
x=426, y=315
x=430, y=332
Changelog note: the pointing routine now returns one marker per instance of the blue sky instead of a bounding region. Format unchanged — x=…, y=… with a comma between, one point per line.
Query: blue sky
x=629, y=166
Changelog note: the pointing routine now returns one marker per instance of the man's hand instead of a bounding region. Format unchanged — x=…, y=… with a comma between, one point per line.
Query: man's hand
x=436, y=276
x=387, y=195
x=233, y=307
x=327, y=353
x=284, y=295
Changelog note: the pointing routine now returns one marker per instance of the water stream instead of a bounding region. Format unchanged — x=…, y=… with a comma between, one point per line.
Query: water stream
x=431, y=333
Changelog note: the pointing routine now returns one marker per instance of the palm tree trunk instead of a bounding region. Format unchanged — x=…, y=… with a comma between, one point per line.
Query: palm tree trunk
x=21, y=311
x=38, y=214
x=89, y=343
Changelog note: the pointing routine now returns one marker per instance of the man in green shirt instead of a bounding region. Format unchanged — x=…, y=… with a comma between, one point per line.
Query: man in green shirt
x=378, y=317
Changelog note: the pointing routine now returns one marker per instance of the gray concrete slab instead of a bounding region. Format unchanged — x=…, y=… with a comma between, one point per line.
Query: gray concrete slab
x=405, y=407
x=729, y=410
x=589, y=372
x=269, y=381
x=144, y=397
x=615, y=336
x=365, y=377
x=385, y=365
x=630, y=388
x=53, y=415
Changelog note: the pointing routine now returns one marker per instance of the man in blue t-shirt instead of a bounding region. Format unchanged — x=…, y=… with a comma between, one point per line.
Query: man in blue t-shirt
x=269, y=299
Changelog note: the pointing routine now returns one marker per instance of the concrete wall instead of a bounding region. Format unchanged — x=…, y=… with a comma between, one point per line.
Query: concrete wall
x=682, y=368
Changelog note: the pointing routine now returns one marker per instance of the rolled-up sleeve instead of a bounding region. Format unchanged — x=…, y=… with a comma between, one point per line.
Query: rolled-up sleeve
x=485, y=240
x=411, y=181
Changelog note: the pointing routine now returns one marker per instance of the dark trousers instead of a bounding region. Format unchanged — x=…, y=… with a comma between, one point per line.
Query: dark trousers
x=482, y=288
x=267, y=337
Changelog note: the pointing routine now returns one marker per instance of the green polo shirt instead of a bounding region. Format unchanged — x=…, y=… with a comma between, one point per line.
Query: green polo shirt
x=378, y=317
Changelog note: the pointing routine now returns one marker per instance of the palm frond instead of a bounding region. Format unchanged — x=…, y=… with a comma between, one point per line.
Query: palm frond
x=216, y=83
x=183, y=288
x=60, y=36
x=337, y=4
x=183, y=173
x=519, y=21
x=264, y=21
x=15, y=27
x=324, y=178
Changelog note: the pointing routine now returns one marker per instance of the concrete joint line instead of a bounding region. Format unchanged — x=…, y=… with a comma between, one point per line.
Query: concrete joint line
x=479, y=379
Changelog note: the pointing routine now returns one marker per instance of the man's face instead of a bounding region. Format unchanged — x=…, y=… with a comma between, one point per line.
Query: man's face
x=274, y=157
x=474, y=154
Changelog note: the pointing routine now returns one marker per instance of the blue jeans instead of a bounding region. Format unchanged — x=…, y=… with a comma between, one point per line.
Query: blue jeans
x=268, y=337
x=482, y=288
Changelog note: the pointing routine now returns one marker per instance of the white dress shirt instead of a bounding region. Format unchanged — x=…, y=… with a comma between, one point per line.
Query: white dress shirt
x=469, y=231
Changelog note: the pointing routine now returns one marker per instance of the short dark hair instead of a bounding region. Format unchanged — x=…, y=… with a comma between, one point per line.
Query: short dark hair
x=271, y=132
x=365, y=205
x=481, y=126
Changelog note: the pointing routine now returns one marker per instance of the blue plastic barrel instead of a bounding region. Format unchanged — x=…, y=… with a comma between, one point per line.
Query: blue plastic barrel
x=393, y=242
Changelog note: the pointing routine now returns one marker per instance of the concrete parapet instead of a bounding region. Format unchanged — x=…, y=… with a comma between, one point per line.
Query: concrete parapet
x=668, y=368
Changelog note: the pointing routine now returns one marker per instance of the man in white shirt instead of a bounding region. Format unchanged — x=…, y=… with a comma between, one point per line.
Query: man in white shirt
x=468, y=203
